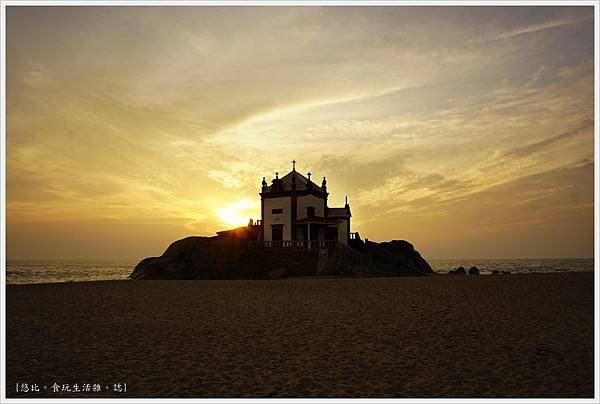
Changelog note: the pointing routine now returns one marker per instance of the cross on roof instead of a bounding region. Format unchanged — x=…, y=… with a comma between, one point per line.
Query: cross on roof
x=294, y=165
x=309, y=174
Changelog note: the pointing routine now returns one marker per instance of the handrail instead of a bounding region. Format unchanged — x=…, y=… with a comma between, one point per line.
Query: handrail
x=295, y=244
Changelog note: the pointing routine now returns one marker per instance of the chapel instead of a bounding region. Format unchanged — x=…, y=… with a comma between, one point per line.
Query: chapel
x=294, y=207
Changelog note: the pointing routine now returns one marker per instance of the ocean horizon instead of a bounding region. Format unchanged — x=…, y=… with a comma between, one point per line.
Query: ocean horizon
x=53, y=271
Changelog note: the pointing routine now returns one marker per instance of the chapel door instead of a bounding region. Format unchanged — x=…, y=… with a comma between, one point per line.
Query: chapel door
x=277, y=232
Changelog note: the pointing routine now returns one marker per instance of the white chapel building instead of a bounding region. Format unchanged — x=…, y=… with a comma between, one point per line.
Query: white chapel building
x=293, y=207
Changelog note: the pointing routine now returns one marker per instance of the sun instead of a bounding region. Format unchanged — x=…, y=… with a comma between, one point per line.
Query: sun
x=236, y=213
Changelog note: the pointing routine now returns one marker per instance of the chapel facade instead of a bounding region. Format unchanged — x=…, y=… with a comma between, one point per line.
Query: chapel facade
x=293, y=207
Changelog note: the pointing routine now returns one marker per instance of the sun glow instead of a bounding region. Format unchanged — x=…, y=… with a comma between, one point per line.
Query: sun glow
x=236, y=213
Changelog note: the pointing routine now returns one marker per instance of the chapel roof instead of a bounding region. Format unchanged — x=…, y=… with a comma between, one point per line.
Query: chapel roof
x=338, y=212
x=302, y=183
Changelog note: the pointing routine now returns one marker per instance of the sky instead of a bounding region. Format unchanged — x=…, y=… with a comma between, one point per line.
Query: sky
x=468, y=131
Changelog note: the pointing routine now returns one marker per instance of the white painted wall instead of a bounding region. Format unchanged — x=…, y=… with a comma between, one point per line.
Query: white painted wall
x=310, y=200
x=343, y=231
x=284, y=218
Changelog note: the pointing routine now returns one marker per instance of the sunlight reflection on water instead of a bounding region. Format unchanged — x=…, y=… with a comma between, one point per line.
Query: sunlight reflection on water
x=19, y=272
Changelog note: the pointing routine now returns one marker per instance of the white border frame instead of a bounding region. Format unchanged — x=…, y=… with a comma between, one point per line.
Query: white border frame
x=5, y=3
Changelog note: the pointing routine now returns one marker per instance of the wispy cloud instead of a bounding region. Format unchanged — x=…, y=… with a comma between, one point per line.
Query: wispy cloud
x=584, y=129
x=542, y=26
x=431, y=119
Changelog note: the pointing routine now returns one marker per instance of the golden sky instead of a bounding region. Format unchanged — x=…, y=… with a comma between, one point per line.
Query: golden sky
x=466, y=130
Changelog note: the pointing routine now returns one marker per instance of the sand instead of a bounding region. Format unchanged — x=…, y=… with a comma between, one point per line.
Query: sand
x=438, y=336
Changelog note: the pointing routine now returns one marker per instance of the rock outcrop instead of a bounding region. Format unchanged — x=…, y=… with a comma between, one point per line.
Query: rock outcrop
x=188, y=258
x=473, y=271
x=217, y=258
x=224, y=257
x=405, y=256
x=457, y=271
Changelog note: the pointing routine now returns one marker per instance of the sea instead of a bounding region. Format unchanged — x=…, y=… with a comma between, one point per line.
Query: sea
x=23, y=272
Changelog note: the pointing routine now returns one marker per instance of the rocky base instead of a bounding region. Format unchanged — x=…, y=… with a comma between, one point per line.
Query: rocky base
x=224, y=258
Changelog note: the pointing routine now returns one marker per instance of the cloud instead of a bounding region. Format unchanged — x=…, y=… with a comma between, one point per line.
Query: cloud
x=522, y=151
x=144, y=115
x=35, y=78
x=542, y=26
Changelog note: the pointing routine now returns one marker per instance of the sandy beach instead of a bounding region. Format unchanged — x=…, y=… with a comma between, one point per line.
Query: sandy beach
x=437, y=336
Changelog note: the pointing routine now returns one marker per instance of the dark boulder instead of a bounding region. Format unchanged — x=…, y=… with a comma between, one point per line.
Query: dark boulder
x=187, y=246
x=183, y=259
x=458, y=271
x=179, y=270
x=473, y=271
x=150, y=268
x=495, y=272
x=397, y=257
